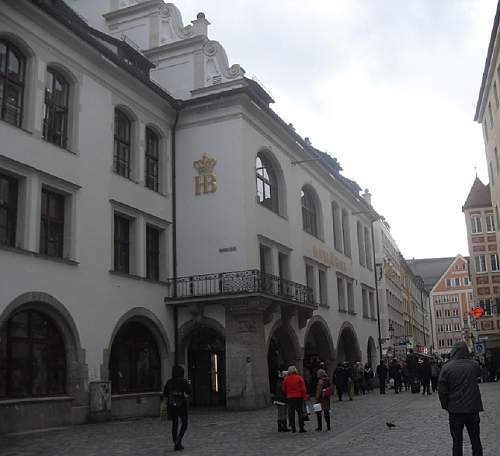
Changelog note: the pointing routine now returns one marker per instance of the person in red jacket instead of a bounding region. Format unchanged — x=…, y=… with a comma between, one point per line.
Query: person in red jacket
x=295, y=390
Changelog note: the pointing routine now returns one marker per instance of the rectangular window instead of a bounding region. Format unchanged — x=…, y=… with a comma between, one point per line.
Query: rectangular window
x=486, y=305
x=310, y=280
x=152, y=160
x=350, y=297
x=438, y=313
x=52, y=224
x=491, y=115
x=323, y=296
x=476, y=224
x=492, y=176
x=495, y=92
x=490, y=223
x=341, y=294
x=480, y=263
x=457, y=281
x=364, y=298
x=152, y=253
x=447, y=313
x=368, y=249
x=466, y=281
x=346, y=233
x=361, y=245
x=494, y=262
x=455, y=312
x=8, y=210
x=449, y=283
x=122, y=244
x=337, y=236
x=371, y=301
x=441, y=343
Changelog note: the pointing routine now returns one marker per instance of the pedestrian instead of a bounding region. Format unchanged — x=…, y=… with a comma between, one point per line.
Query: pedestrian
x=426, y=374
x=323, y=394
x=382, y=376
x=295, y=391
x=367, y=377
x=350, y=383
x=340, y=380
x=459, y=394
x=176, y=392
x=357, y=378
x=396, y=374
x=280, y=402
x=406, y=376
x=435, y=369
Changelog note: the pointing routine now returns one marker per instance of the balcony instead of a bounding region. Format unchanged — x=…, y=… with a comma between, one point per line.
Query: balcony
x=238, y=284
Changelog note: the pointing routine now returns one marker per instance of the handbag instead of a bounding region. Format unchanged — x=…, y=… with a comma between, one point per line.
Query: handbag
x=317, y=407
x=326, y=392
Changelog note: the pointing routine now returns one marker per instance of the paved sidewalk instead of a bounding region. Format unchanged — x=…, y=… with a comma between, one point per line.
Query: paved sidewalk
x=358, y=429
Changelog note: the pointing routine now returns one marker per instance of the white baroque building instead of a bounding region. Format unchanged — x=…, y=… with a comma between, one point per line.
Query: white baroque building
x=154, y=209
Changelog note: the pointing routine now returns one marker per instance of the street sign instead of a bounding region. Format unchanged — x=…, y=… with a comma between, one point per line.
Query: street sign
x=479, y=348
x=481, y=338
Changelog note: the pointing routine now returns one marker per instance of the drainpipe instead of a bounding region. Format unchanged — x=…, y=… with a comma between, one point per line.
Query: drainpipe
x=174, y=240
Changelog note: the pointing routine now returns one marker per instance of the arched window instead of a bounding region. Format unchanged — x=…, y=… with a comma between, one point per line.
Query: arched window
x=55, y=109
x=309, y=212
x=12, y=74
x=32, y=357
x=135, y=362
x=152, y=160
x=267, y=187
x=123, y=141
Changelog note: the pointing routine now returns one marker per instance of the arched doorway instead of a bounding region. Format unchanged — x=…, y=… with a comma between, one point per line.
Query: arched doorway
x=348, y=346
x=207, y=366
x=371, y=353
x=134, y=364
x=318, y=351
x=282, y=352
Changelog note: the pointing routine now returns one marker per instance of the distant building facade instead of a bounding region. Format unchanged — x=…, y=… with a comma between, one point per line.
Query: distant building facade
x=481, y=226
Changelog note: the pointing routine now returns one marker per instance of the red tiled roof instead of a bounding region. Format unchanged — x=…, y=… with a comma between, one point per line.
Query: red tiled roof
x=479, y=195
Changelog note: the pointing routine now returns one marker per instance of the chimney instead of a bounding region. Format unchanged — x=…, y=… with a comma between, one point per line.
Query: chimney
x=367, y=196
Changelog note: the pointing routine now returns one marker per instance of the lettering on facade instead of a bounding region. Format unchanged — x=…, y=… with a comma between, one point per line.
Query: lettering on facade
x=205, y=181
x=329, y=258
x=227, y=249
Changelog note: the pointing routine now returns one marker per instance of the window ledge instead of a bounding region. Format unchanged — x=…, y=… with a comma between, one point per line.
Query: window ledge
x=29, y=400
x=22, y=251
x=134, y=395
x=314, y=235
x=4, y=122
x=136, y=277
x=57, y=146
x=127, y=178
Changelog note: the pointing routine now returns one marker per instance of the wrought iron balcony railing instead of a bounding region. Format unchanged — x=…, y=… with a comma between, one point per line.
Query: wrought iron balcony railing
x=238, y=283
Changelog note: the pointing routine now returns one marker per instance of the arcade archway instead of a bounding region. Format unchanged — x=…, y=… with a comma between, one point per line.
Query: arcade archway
x=318, y=351
x=206, y=360
x=283, y=351
x=371, y=353
x=348, y=345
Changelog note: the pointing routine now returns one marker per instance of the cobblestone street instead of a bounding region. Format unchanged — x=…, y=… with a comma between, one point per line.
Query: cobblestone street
x=358, y=429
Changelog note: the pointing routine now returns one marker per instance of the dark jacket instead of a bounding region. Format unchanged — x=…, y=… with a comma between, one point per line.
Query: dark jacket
x=382, y=371
x=325, y=402
x=340, y=377
x=395, y=371
x=177, y=386
x=426, y=370
x=279, y=394
x=458, y=382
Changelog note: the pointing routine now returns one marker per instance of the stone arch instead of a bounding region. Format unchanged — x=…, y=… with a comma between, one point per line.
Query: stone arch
x=371, y=353
x=76, y=369
x=282, y=349
x=153, y=323
x=202, y=344
x=347, y=344
x=321, y=343
x=280, y=178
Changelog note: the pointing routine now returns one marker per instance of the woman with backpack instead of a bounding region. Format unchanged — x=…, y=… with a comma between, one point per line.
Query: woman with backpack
x=323, y=393
x=176, y=393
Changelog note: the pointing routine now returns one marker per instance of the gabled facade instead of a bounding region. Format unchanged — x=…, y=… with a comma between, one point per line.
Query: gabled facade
x=451, y=298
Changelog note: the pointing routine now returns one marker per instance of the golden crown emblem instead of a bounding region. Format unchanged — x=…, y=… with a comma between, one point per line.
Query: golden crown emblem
x=205, y=165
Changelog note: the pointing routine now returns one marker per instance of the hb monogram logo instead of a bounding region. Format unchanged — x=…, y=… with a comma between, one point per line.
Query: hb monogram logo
x=205, y=181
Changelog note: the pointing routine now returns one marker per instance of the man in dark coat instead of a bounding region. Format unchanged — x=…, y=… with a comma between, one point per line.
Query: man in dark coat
x=396, y=373
x=459, y=394
x=340, y=378
x=425, y=375
x=382, y=376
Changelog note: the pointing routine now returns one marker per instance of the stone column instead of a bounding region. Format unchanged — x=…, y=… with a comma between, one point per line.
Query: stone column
x=247, y=376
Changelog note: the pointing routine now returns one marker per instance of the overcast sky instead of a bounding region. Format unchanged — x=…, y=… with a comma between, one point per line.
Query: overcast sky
x=388, y=87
